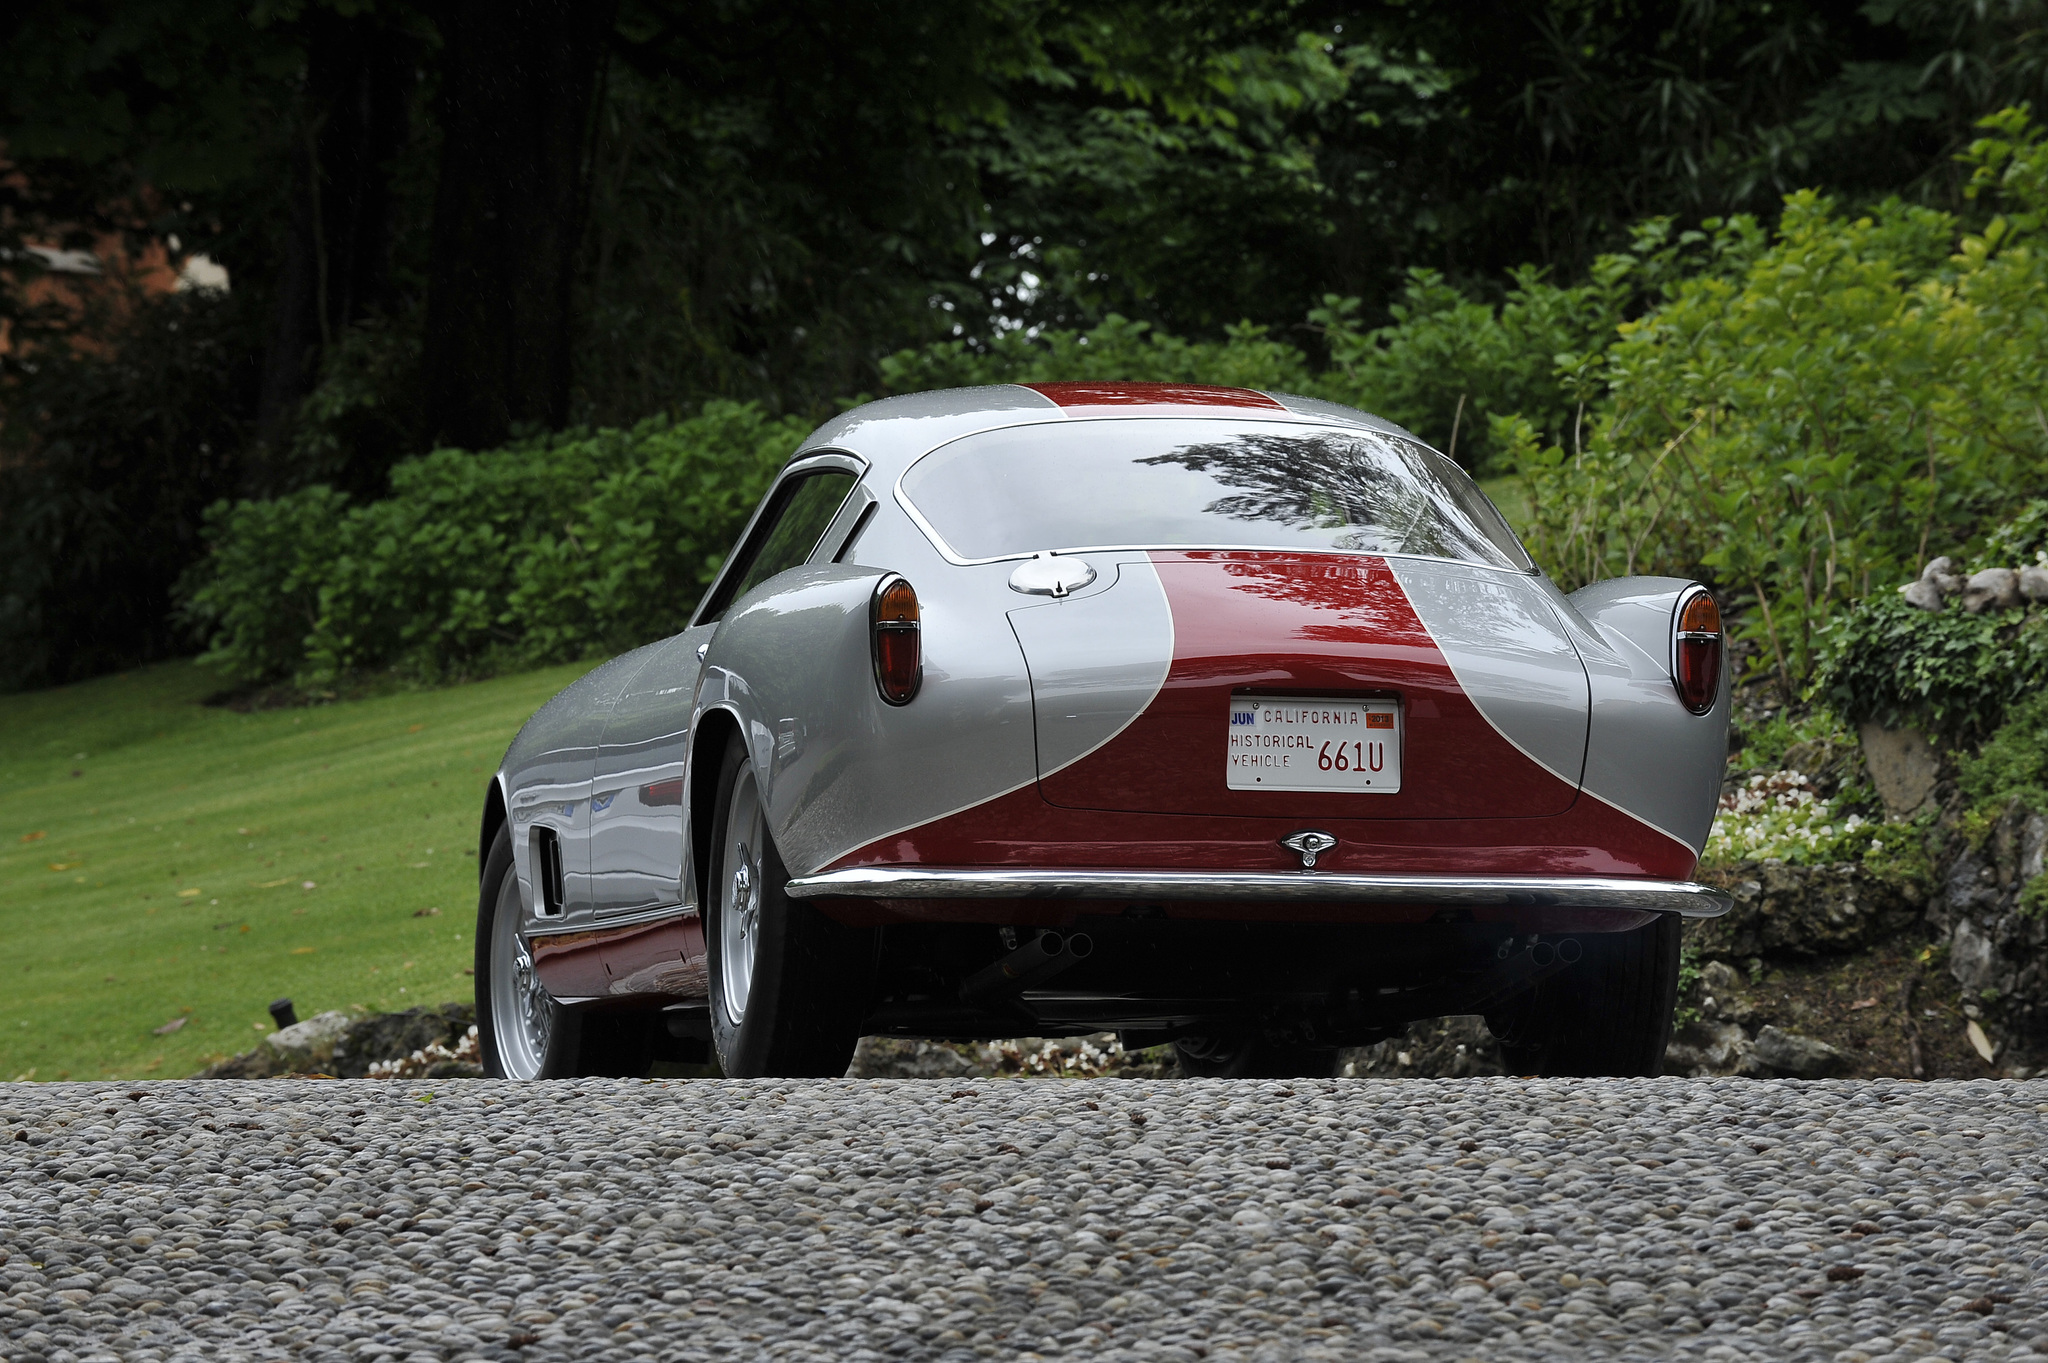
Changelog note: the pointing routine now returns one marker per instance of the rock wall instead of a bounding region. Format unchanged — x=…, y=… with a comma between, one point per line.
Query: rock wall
x=1997, y=944
x=1788, y=910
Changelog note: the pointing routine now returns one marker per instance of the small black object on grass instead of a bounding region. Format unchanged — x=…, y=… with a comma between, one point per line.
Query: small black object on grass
x=282, y=1013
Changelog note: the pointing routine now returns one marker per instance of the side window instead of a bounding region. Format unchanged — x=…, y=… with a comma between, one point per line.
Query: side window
x=803, y=508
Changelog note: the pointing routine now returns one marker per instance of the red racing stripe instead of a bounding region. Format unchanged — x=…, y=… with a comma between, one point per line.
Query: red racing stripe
x=1151, y=394
x=1330, y=624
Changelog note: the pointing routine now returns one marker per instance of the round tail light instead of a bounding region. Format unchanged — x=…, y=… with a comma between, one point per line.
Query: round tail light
x=1696, y=650
x=899, y=650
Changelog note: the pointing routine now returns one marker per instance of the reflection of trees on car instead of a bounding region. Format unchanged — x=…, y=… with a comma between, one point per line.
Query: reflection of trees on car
x=1383, y=493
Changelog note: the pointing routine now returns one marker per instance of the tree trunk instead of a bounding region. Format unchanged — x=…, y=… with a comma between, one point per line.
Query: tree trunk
x=336, y=266
x=517, y=81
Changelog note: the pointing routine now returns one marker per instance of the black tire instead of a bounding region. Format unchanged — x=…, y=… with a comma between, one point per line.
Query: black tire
x=1251, y=1057
x=806, y=983
x=1608, y=1015
x=557, y=1043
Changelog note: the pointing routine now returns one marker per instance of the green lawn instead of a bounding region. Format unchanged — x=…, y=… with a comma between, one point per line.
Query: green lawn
x=1511, y=495
x=160, y=859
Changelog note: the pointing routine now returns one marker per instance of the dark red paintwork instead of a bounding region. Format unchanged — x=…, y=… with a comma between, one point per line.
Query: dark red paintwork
x=620, y=962
x=1303, y=624
x=1152, y=394
x=1020, y=829
x=1309, y=624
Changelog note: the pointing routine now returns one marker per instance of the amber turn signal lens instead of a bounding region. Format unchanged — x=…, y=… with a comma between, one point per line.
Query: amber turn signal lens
x=898, y=642
x=1696, y=651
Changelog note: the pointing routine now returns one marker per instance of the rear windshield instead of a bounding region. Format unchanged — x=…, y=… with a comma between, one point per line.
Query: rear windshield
x=1204, y=485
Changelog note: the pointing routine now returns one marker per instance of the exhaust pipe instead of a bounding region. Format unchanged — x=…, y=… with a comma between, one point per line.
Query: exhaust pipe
x=1039, y=959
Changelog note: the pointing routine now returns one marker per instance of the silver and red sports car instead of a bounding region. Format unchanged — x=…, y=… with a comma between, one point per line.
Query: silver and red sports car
x=1229, y=719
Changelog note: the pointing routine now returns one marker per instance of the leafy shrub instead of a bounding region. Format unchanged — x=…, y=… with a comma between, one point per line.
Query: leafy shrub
x=1780, y=815
x=2013, y=763
x=551, y=548
x=1814, y=425
x=363, y=414
x=1947, y=672
x=1446, y=366
x=1119, y=349
x=1449, y=367
x=2021, y=541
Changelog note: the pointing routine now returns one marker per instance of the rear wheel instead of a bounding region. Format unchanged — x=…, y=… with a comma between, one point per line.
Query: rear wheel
x=1249, y=1056
x=788, y=985
x=522, y=1032
x=1608, y=1014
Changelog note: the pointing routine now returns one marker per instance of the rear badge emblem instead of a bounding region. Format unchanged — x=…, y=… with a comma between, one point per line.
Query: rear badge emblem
x=1309, y=842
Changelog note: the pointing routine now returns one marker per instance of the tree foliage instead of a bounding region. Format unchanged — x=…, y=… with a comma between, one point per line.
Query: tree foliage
x=1440, y=212
x=1815, y=424
x=551, y=548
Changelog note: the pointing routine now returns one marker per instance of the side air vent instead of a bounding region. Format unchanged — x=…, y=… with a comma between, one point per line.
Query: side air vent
x=547, y=870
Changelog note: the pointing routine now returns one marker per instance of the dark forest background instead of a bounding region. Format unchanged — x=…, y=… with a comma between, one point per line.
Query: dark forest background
x=458, y=224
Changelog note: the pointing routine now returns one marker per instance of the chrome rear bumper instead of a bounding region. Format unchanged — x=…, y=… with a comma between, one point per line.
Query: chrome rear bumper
x=1682, y=897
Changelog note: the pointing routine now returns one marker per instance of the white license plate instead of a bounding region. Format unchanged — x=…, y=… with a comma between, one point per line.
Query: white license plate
x=1286, y=743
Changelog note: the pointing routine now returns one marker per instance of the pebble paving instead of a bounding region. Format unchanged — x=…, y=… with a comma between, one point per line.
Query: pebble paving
x=916, y=1219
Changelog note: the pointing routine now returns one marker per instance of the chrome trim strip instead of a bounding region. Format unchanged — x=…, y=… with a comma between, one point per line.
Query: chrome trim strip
x=1685, y=898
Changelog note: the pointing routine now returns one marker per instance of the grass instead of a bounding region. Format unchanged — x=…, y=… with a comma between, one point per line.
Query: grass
x=1510, y=493
x=162, y=860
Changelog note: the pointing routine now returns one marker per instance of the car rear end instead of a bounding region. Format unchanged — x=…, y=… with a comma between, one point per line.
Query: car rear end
x=1312, y=742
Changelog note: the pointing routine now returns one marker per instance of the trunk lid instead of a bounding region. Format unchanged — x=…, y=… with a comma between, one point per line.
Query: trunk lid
x=1491, y=696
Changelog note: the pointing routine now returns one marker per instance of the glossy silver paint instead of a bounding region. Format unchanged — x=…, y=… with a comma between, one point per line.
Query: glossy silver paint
x=1645, y=753
x=547, y=773
x=838, y=766
x=637, y=847
x=1502, y=640
x=1299, y=887
x=1582, y=685
x=1097, y=658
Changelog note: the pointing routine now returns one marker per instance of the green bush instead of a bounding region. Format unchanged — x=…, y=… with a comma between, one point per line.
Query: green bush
x=1807, y=428
x=1119, y=349
x=1948, y=672
x=551, y=548
x=2013, y=763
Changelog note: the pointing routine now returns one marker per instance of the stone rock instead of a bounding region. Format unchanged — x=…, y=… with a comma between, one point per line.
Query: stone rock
x=1973, y=957
x=389, y=1036
x=1455, y=1047
x=1712, y=1048
x=2016, y=845
x=1805, y=910
x=1942, y=573
x=1724, y=995
x=1796, y=1056
x=1719, y=977
x=882, y=1057
x=1992, y=589
x=2034, y=583
x=1096, y=1055
x=1923, y=595
x=1903, y=766
x=453, y=1069
x=312, y=1041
